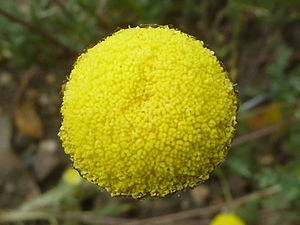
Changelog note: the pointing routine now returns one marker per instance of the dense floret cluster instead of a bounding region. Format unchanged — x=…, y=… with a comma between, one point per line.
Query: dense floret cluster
x=147, y=112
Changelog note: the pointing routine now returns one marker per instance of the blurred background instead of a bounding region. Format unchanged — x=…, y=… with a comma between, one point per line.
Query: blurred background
x=258, y=43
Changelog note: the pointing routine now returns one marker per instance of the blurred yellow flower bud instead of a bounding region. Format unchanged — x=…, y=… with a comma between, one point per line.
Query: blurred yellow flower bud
x=71, y=177
x=227, y=219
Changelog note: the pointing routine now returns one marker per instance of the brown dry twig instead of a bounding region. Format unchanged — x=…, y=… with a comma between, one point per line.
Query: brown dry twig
x=6, y=217
x=206, y=211
x=38, y=31
x=52, y=218
x=259, y=133
x=172, y=218
x=88, y=218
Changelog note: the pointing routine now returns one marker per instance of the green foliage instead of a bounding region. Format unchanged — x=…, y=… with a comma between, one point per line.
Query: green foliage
x=258, y=42
x=289, y=180
x=241, y=163
x=283, y=89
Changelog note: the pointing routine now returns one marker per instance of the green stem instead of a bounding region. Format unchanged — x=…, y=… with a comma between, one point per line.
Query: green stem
x=226, y=189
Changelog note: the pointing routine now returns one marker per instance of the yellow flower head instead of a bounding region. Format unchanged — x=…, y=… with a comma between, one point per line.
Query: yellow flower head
x=147, y=112
x=227, y=219
x=71, y=177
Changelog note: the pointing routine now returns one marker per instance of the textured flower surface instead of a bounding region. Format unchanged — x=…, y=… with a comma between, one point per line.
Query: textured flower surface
x=227, y=219
x=147, y=112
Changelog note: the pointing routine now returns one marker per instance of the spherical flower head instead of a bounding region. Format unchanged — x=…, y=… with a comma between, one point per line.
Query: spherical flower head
x=227, y=219
x=147, y=112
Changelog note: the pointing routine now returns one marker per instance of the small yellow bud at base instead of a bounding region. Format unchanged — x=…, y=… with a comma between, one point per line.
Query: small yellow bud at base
x=71, y=177
x=226, y=219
